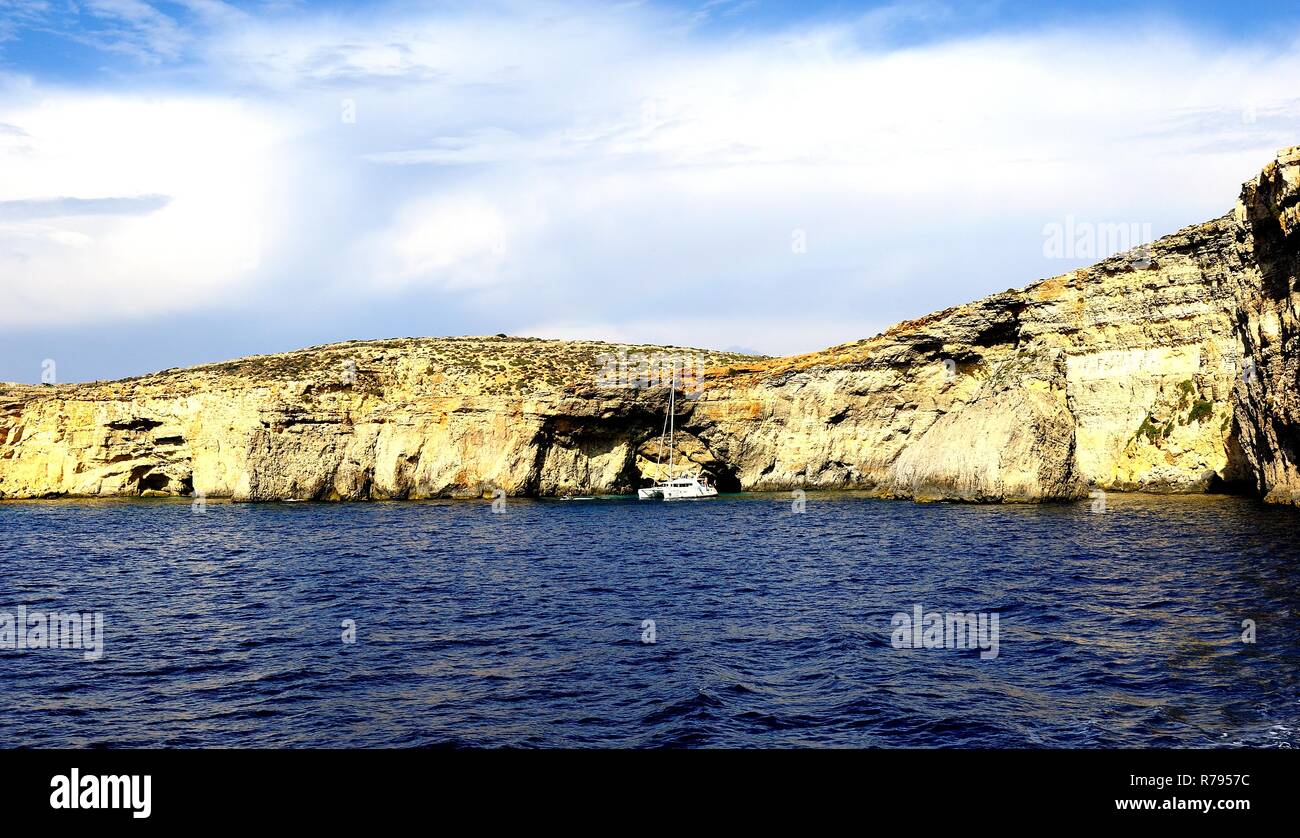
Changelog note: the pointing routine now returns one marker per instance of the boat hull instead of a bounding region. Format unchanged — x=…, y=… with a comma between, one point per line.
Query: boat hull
x=676, y=492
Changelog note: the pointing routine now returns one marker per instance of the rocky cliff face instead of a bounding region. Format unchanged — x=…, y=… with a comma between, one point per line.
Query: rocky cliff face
x=410, y=418
x=1119, y=376
x=1266, y=397
x=1170, y=368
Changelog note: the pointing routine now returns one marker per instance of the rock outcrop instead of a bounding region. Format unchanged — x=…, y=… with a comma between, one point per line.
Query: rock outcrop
x=1170, y=368
x=1267, y=394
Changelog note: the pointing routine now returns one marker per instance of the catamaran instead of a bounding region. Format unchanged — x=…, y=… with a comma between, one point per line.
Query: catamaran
x=677, y=486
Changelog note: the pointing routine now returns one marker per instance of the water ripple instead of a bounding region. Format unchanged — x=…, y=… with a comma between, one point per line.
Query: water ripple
x=771, y=629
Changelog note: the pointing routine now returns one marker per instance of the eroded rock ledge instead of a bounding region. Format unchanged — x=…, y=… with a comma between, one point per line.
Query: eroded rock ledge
x=1174, y=369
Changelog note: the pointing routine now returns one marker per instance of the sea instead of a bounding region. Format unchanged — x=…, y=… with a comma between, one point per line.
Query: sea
x=756, y=620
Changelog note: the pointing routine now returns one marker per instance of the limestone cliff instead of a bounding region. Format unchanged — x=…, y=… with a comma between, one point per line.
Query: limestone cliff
x=1171, y=368
x=1267, y=393
x=407, y=418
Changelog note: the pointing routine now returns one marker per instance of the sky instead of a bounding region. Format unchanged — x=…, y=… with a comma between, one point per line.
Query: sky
x=192, y=181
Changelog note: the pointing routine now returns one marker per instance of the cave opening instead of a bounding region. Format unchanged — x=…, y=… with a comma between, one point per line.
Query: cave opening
x=724, y=477
x=154, y=481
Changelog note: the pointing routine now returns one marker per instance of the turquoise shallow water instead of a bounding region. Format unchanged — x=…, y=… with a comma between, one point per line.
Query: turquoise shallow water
x=771, y=628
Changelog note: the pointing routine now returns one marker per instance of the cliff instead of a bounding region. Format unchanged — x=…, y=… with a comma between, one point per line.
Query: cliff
x=1170, y=368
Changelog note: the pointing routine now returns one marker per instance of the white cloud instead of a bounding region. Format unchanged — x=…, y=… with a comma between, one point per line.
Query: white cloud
x=127, y=206
x=457, y=241
x=134, y=28
x=565, y=166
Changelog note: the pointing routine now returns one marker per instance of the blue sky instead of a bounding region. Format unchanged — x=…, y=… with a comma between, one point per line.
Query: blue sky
x=191, y=181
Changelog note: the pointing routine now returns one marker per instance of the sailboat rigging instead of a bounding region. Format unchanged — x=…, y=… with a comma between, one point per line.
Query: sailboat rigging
x=677, y=486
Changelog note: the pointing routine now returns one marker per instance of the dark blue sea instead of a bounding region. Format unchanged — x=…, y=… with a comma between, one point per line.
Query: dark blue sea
x=526, y=628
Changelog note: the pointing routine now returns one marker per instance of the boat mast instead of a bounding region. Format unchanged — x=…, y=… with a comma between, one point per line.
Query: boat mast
x=659, y=456
x=672, y=422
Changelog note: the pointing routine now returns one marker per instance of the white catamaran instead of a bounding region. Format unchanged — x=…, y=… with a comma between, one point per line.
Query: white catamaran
x=677, y=486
